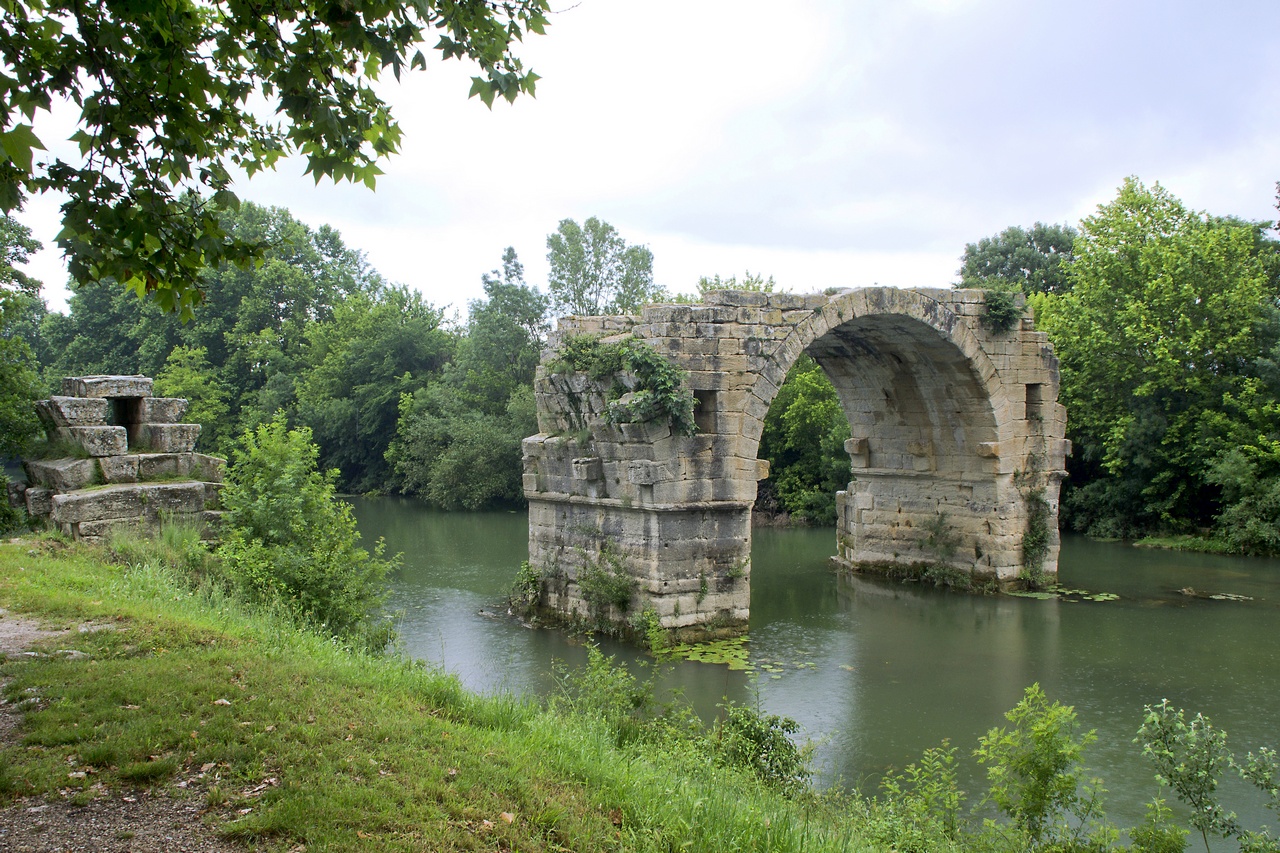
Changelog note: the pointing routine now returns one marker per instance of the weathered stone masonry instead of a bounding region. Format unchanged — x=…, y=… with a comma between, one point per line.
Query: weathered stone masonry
x=956, y=430
x=135, y=462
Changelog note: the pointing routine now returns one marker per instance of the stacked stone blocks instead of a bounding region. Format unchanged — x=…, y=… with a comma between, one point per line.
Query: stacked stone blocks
x=134, y=462
x=954, y=429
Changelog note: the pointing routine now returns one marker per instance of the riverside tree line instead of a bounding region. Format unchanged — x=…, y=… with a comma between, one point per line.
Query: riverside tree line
x=1166, y=321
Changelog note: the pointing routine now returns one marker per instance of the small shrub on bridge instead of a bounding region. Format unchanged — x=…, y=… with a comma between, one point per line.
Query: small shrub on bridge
x=1002, y=312
x=605, y=582
x=659, y=391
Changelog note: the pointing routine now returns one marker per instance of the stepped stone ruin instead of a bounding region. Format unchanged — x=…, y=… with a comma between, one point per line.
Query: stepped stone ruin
x=134, y=463
x=955, y=461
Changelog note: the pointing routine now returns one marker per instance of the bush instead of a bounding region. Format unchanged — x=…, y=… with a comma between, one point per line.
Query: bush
x=758, y=743
x=921, y=805
x=289, y=537
x=606, y=583
x=1250, y=520
x=1002, y=311
x=1037, y=779
x=1191, y=758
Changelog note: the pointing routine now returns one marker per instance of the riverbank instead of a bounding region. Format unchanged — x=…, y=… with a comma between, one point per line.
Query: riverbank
x=158, y=708
x=287, y=742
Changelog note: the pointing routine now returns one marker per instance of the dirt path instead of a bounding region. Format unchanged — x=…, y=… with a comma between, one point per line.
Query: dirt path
x=113, y=822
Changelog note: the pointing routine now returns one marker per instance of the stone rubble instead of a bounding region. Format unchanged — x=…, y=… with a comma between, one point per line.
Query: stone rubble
x=134, y=464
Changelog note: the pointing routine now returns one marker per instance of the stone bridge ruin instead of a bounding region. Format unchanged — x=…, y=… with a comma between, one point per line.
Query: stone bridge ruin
x=956, y=458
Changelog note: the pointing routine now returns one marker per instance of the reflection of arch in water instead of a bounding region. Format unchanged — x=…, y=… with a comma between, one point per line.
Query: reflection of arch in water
x=953, y=428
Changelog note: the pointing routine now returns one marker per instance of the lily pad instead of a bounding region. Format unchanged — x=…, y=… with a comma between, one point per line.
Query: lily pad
x=731, y=652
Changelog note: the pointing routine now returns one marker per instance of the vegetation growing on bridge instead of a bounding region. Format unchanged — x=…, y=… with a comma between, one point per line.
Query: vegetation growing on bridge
x=642, y=384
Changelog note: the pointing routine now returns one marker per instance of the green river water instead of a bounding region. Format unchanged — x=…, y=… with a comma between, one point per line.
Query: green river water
x=876, y=672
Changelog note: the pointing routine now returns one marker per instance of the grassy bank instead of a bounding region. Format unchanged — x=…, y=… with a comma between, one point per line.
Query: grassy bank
x=289, y=738
x=166, y=682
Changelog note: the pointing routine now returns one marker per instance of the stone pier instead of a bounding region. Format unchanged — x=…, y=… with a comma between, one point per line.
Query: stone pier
x=956, y=457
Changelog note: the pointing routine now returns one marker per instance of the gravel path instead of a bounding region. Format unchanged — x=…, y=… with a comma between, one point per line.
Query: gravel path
x=114, y=822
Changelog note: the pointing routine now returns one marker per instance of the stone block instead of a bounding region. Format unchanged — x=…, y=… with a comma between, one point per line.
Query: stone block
x=120, y=501
x=129, y=501
x=73, y=411
x=588, y=468
x=94, y=440
x=211, y=469
x=213, y=495
x=989, y=449
x=16, y=494
x=39, y=501
x=162, y=410
x=107, y=386
x=738, y=298
x=855, y=446
x=171, y=498
x=211, y=522
x=641, y=472
x=170, y=438
x=94, y=531
x=119, y=469
x=61, y=475
x=158, y=466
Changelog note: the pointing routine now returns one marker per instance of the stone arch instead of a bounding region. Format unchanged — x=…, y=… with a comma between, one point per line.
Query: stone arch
x=956, y=434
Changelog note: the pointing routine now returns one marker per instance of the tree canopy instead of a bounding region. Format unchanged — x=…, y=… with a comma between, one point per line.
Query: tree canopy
x=1160, y=337
x=19, y=382
x=594, y=271
x=1032, y=260
x=170, y=97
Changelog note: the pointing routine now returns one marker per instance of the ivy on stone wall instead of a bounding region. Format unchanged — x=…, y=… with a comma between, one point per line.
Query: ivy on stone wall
x=643, y=384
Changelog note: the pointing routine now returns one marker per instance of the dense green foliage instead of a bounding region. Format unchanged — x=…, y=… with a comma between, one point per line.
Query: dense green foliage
x=19, y=383
x=174, y=95
x=1029, y=260
x=1165, y=339
x=457, y=440
x=375, y=348
x=803, y=439
x=1167, y=325
x=644, y=384
x=594, y=271
x=289, y=539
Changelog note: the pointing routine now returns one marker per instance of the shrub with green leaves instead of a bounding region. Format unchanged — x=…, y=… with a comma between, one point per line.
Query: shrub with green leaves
x=920, y=805
x=289, y=537
x=759, y=744
x=1002, y=311
x=1191, y=757
x=11, y=517
x=1037, y=779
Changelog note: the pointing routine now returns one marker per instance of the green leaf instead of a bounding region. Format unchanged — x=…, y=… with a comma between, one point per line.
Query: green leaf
x=20, y=145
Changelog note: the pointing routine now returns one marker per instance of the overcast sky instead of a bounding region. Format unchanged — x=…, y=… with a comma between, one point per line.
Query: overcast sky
x=823, y=142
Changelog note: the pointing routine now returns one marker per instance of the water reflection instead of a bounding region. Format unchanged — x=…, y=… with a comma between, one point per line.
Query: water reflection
x=875, y=671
